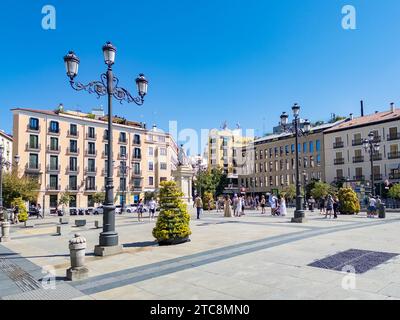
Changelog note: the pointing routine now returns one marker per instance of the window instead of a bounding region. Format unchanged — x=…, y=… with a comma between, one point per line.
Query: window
x=106, y=149
x=34, y=124
x=151, y=181
x=123, y=168
x=53, y=201
x=137, y=183
x=136, y=139
x=53, y=163
x=122, y=184
x=122, y=137
x=137, y=154
x=54, y=127
x=163, y=151
x=122, y=151
x=33, y=161
x=304, y=147
x=105, y=135
x=311, y=147
x=53, y=144
x=73, y=130
x=151, y=166
x=73, y=183
x=136, y=168
x=73, y=164
x=72, y=201
x=151, y=151
x=90, y=201
x=318, y=160
x=163, y=179
x=163, y=166
x=292, y=148
x=287, y=150
x=318, y=145
x=92, y=133
x=161, y=138
x=91, y=183
x=33, y=141
x=91, y=148
x=91, y=165
x=53, y=182
x=73, y=146
x=339, y=173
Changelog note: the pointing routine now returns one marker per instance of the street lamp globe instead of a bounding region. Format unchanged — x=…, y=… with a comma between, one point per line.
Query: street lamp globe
x=377, y=147
x=17, y=159
x=371, y=136
x=296, y=110
x=284, y=119
x=71, y=64
x=142, y=84
x=366, y=144
x=109, y=52
x=307, y=126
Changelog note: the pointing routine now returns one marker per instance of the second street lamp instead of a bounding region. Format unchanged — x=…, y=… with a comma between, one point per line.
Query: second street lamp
x=297, y=131
x=372, y=148
x=108, y=85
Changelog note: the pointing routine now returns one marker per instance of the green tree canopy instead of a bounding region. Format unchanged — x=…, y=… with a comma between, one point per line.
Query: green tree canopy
x=322, y=189
x=99, y=197
x=14, y=187
x=211, y=180
x=394, y=191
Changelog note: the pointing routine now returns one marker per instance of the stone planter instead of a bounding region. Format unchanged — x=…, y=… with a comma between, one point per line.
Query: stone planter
x=174, y=241
x=5, y=231
x=77, y=248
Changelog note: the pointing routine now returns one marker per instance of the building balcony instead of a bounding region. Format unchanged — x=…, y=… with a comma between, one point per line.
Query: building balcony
x=339, y=179
x=53, y=149
x=338, y=161
x=30, y=168
x=72, y=188
x=90, y=188
x=122, y=141
x=359, y=178
x=71, y=134
x=358, y=159
x=33, y=148
x=394, y=155
x=33, y=129
x=53, y=169
x=377, y=139
x=137, y=157
x=137, y=174
x=378, y=177
x=358, y=142
x=136, y=142
x=377, y=157
x=90, y=153
x=70, y=170
x=122, y=156
x=53, y=132
x=337, y=145
x=137, y=188
x=394, y=176
x=73, y=151
x=53, y=187
x=393, y=136
x=90, y=171
x=121, y=174
x=91, y=136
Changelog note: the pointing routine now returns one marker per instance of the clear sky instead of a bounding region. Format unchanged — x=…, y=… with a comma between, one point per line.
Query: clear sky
x=207, y=61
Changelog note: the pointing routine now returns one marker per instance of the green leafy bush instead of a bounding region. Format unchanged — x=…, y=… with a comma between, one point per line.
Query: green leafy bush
x=173, y=220
x=349, y=203
x=394, y=191
x=208, y=197
x=23, y=213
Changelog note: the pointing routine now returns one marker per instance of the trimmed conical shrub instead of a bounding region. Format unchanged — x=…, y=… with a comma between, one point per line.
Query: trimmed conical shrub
x=349, y=203
x=173, y=221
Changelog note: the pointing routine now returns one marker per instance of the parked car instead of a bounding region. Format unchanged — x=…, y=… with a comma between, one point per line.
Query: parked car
x=131, y=209
x=118, y=209
x=89, y=211
x=73, y=211
x=98, y=210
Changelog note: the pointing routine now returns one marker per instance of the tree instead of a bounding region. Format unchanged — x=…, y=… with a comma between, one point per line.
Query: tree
x=23, y=212
x=172, y=225
x=349, y=203
x=14, y=187
x=394, y=191
x=321, y=190
x=211, y=180
x=289, y=192
x=208, y=197
x=65, y=199
x=99, y=197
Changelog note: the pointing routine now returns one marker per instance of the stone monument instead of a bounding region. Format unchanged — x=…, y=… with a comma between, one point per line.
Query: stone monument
x=183, y=176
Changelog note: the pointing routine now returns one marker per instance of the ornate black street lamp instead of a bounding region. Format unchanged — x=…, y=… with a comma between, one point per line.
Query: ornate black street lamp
x=372, y=148
x=305, y=189
x=108, y=85
x=297, y=131
x=5, y=164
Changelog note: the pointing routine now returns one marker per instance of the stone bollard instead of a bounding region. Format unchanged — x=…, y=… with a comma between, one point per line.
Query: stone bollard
x=77, y=248
x=5, y=231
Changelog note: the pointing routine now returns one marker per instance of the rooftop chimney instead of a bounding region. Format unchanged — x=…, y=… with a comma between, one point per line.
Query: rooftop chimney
x=392, y=107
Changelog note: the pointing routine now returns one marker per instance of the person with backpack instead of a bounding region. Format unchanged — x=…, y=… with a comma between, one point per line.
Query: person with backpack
x=198, y=204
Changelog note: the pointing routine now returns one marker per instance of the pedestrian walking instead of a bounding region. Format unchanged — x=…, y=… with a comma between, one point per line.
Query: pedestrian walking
x=336, y=204
x=282, y=211
x=152, y=209
x=273, y=201
x=140, y=210
x=329, y=207
x=263, y=203
x=14, y=219
x=227, y=207
x=321, y=204
x=236, y=205
x=198, y=204
x=371, y=211
x=311, y=204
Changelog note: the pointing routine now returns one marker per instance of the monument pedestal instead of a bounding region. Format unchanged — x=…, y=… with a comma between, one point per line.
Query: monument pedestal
x=183, y=177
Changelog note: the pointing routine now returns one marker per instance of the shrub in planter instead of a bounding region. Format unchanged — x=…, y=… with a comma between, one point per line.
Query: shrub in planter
x=349, y=203
x=172, y=225
x=208, y=196
x=23, y=213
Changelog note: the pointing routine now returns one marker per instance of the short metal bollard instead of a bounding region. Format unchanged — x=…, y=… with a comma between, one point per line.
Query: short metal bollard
x=5, y=231
x=77, y=248
x=382, y=211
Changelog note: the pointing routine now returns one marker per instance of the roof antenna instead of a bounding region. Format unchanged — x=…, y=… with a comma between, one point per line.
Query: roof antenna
x=362, y=108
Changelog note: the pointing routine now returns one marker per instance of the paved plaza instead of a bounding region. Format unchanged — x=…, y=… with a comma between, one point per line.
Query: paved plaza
x=252, y=257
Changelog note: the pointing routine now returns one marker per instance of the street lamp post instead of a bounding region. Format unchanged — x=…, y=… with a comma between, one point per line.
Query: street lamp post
x=297, y=131
x=304, y=188
x=372, y=148
x=107, y=86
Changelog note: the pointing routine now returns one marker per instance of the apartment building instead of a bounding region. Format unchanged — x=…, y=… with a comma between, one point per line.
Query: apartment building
x=224, y=147
x=67, y=152
x=346, y=159
x=7, y=142
x=271, y=162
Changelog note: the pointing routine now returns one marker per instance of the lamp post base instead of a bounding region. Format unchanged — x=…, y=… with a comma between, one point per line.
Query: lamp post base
x=299, y=217
x=101, y=251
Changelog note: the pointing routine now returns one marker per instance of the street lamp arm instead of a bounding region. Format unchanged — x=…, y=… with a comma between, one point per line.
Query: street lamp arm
x=122, y=94
x=97, y=87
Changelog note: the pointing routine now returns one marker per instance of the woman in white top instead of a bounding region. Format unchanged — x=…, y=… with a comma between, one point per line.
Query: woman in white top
x=282, y=206
x=152, y=208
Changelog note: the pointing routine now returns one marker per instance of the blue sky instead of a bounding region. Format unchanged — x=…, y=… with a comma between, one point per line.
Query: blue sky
x=207, y=61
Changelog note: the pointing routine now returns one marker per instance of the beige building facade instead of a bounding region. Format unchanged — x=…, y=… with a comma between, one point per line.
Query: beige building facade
x=67, y=152
x=7, y=142
x=346, y=158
